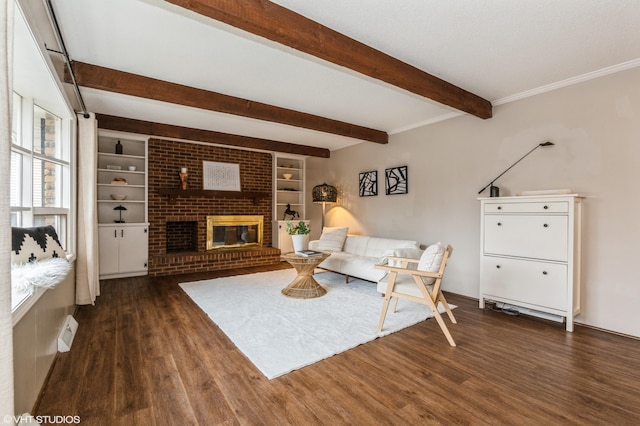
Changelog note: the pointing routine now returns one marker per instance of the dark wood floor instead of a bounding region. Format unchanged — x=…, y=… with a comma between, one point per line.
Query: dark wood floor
x=147, y=355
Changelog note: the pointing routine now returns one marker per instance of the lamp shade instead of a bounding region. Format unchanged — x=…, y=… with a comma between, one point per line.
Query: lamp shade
x=325, y=194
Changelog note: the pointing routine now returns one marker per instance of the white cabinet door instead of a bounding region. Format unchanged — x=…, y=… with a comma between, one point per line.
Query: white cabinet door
x=133, y=249
x=541, y=284
x=536, y=237
x=109, y=251
x=123, y=250
x=282, y=239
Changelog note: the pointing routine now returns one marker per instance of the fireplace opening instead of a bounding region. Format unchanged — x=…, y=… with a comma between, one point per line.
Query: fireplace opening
x=233, y=231
x=182, y=236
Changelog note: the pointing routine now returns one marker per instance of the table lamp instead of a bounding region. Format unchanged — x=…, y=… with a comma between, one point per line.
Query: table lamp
x=494, y=191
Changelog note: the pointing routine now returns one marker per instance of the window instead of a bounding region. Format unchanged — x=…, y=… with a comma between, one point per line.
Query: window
x=40, y=187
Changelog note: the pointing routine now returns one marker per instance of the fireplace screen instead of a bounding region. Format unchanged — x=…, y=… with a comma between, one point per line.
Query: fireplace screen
x=233, y=231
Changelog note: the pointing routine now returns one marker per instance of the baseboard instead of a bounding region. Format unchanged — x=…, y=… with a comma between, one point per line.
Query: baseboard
x=578, y=323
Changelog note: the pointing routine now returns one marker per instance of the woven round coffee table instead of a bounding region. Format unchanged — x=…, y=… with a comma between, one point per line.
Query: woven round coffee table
x=304, y=286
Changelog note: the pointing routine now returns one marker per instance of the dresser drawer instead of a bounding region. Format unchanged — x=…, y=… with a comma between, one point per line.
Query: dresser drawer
x=536, y=283
x=538, y=237
x=533, y=207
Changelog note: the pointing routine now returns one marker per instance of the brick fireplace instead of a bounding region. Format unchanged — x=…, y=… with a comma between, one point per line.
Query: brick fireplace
x=178, y=224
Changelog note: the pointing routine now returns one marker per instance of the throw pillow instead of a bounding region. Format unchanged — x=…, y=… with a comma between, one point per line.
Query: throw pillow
x=33, y=244
x=332, y=239
x=431, y=260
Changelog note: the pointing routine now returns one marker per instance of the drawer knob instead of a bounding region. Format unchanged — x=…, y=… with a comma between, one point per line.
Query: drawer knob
x=499, y=207
x=544, y=272
x=546, y=225
x=499, y=223
x=497, y=266
x=545, y=207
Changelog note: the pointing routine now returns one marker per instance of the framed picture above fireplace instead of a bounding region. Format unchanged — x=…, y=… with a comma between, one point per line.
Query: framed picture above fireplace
x=220, y=176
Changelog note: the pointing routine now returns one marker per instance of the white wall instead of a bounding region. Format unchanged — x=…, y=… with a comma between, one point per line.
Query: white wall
x=596, y=128
x=35, y=341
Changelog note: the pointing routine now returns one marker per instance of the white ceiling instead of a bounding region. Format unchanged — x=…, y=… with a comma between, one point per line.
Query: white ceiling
x=498, y=49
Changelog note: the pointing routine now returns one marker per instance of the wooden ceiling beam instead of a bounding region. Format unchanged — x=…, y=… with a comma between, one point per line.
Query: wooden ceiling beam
x=97, y=77
x=110, y=122
x=281, y=25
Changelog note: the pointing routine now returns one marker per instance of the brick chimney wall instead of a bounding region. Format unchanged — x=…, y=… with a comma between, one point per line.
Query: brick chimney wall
x=166, y=158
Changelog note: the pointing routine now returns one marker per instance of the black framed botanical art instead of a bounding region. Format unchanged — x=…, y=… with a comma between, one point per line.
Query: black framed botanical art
x=396, y=180
x=368, y=184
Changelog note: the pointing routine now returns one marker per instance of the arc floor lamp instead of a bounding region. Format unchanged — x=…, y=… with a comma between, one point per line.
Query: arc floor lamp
x=494, y=191
x=323, y=194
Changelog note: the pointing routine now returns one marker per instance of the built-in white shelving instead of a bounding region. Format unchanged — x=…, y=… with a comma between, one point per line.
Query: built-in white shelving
x=122, y=182
x=289, y=187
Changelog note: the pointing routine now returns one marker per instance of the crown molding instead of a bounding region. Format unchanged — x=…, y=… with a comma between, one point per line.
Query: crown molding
x=569, y=82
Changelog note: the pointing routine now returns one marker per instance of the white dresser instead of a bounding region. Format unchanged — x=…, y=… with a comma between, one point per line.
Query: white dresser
x=530, y=253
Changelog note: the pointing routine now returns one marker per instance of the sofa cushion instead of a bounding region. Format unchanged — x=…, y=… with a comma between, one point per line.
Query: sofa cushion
x=407, y=252
x=353, y=265
x=363, y=268
x=356, y=244
x=431, y=260
x=332, y=239
x=377, y=247
x=33, y=244
x=335, y=261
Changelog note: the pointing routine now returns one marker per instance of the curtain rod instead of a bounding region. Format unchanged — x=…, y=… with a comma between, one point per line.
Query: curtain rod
x=65, y=53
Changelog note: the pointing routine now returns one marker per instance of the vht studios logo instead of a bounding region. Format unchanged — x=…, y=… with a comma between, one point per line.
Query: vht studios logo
x=42, y=420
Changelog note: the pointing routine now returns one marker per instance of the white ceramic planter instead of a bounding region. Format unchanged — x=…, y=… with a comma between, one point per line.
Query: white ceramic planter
x=299, y=242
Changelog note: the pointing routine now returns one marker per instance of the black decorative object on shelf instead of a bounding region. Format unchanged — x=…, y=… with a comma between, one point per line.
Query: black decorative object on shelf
x=118, y=148
x=494, y=191
x=396, y=180
x=368, y=184
x=120, y=209
x=289, y=212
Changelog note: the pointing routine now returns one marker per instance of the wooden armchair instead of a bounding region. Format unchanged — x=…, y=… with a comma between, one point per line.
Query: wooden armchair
x=421, y=286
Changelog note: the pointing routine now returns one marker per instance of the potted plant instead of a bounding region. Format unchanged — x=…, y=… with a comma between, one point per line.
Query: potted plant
x=298, y=234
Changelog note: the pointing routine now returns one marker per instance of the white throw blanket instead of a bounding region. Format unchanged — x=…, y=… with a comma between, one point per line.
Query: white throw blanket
x=45, y=273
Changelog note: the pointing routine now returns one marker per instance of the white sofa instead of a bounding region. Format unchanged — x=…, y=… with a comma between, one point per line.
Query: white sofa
x=359, y=254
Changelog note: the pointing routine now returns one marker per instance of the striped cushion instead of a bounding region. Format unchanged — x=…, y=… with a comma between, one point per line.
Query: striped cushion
x=332, y=239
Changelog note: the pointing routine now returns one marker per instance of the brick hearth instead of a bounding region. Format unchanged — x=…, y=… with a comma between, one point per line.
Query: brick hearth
x=165, y=160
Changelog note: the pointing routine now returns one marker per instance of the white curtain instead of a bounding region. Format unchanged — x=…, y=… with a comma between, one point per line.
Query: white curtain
x=6, y=95
x=87, y=282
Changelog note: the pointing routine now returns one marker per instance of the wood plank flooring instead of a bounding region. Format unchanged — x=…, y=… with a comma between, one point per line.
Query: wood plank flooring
x=145, y=354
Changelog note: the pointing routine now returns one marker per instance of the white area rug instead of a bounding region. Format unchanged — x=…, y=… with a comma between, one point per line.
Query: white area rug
x=280, y=334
